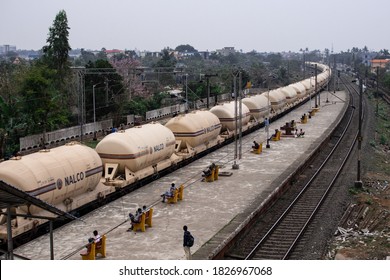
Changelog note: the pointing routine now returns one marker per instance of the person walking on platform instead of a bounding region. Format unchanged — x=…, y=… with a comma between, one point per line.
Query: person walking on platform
x=188, y=241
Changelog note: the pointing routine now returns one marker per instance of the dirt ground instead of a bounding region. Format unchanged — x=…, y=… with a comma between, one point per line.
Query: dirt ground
x=364, y=230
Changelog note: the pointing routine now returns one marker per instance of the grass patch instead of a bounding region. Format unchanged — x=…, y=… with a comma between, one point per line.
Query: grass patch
x=91, y=143
x=368, y=201
x=354, y=191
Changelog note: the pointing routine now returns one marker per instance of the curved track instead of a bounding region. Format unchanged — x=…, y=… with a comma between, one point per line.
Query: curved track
x=276, y=238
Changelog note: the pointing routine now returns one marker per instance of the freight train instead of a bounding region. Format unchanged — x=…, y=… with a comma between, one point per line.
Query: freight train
x=73, y=176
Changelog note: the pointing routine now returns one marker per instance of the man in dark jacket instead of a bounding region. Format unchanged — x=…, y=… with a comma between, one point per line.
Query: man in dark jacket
x=186, y=237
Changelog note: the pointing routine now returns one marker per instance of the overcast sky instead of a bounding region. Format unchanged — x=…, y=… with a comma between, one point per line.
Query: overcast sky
x=272, y=25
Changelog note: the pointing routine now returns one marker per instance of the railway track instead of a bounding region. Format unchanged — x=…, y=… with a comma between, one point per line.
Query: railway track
x=385, y=95
x=275, y=235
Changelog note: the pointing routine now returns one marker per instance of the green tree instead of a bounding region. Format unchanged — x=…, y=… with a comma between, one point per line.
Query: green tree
x=42, y=110
x=56, y=52
x=108, y=91
x=165, y=67
x=55, y=56
x=167, y=60
x=185, y=48
x=5, y=113
x=11, y=125
x=386, y=81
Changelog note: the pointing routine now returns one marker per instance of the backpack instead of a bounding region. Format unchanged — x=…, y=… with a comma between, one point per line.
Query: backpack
x=190, y=241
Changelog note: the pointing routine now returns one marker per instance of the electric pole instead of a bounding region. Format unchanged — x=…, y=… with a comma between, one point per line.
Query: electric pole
x=208, y=76
x=358, y=182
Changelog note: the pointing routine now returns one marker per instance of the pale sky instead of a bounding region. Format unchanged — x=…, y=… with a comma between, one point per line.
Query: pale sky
x=272, y=25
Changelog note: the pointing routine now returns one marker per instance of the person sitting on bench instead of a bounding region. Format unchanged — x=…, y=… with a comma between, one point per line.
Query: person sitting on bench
x=275, y=134
x=169, y=193
x=255, y=145
x=134, y=219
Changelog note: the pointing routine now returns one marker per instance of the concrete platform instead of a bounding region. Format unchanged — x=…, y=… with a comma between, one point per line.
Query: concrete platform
x=213, y=211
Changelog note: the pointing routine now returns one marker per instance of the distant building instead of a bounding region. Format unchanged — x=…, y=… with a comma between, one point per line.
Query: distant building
x=381, y=63
x=204, y=54
x=4, y=49
x=149, y=54
x=226, y=51
x=111, y=53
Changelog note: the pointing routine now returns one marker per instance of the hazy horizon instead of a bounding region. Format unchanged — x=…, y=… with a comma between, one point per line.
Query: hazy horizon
x=153, y=25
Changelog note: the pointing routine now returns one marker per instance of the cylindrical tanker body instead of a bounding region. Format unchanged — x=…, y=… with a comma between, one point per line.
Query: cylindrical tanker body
x=300, y=89
x=322, y=79
x=137, y=147
x=277, y=99
x=258, y=105
x=56, y=174
x=226, y=115
x=290, y=94
x=309, y=85
x=195, y=128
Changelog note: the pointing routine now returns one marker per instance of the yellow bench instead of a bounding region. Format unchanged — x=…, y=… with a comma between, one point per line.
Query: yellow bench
x=315, y=109
x=258, y=150
x=94, y=249
x=212, y=175
x=276, y=136
x=146, y=219
x=304, y=118
x=289, y=127
x=312, y=112
x=177, y=195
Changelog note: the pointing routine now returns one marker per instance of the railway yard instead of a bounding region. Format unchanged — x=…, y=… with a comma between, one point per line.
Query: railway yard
x=299, y=199
x=214, y=212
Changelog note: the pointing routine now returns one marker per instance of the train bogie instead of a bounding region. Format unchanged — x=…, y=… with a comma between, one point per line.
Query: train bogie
x=226, y=114
x=195, y=131
x=258, y=106
x=277, y=100
x=66, y=177
x=57, y=175
x=290, y=94
x=136, y=148
x=300, y=90
x=309, y=85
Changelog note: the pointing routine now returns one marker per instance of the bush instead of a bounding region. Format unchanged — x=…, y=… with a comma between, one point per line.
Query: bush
x=383, y=140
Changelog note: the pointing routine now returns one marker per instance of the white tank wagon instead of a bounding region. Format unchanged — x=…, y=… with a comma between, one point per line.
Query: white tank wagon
x=290, y=94
x=195, y=131
x=300, y=90
x=309, y=85
x=226, y=115
x=136, y=152
x=277, y=100
x=322, y=79
x=322, y=67
x=54, y=176
x=258, y=106
x=66, y=177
